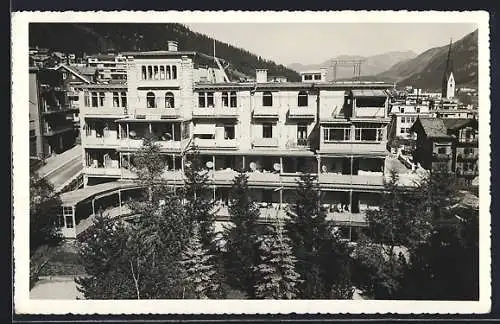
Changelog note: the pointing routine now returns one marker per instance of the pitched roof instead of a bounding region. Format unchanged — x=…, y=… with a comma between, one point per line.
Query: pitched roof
x=433, y=127
x=74, y=71
x=86, y=70
x=456, y=123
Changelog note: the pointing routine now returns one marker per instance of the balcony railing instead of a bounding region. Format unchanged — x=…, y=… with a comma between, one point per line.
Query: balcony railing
x=114, y=172
x=467, y=157
x=265, y=112
x=112, y=111
x=467, y=139
x=218, y=111
x=302, y=112
x=375, y=179
x=265, y=142
x=54, y=109
x=216, y=143
x=441, y=156
x=101, y=141
x=300, y=144
x=164, y=113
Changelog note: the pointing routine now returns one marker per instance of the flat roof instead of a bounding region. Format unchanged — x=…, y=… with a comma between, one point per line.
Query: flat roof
x=72, y=198
x=103, y=86
x=369, y=93
x=159, y=53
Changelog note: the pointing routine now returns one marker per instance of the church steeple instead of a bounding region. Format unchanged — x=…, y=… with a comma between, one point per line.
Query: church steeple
x=448, y=83
x=449, y=61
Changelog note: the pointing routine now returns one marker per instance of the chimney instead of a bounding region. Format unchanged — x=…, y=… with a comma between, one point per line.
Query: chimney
x=261, y=75
x=172, y=46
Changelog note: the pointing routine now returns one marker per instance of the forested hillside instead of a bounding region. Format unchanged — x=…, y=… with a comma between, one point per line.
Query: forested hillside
x=100, y=38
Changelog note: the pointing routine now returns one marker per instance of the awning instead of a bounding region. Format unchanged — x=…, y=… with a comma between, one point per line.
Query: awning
x=72, y=198
x=369, y=93
x=204, y=129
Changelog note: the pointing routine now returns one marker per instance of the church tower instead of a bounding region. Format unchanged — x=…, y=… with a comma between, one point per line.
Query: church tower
x=448, y=83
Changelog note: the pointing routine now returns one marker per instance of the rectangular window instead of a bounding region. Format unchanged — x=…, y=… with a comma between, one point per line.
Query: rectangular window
x=124, y=99
x=357, y=134
x=143, y=74
x=441, y=150
x=267, y=130
x=86, y=99
x=402, y=109
x=225, y=99
x=210, y=99
x=162, y=72
x=155, y=69
x=418, y=109
x=337, y=134
x=229, y=132
x=95, y=99
x=301, y=132
x=307, y=77
x=69, y=221
x=201, y=100
x=317, y=77
x=101, y=99
x=233, y=99
x=403, y=130
x=403, y=120
x=116, y=100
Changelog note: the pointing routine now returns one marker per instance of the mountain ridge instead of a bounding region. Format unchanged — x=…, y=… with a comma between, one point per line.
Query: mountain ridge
x=94, y=38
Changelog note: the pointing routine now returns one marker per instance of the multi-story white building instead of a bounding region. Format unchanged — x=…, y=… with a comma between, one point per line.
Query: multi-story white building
x=403, y=115
x=273, y=130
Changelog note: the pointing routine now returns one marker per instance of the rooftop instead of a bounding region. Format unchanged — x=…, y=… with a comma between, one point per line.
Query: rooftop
x=369, y=93
x=71, y=198
x=160, y=53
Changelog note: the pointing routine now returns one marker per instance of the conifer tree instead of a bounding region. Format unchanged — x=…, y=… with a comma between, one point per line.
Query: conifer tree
x=200, y=273
x=276, y=277
x=241, y=248
x=199, y=204
x=322, y=259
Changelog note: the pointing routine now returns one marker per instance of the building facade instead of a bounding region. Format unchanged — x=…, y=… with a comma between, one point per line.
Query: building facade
x=51, y=113
x=273, y=130
x=448, y=144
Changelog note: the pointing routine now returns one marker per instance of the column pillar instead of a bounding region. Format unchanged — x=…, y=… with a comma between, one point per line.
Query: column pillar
x=128, y=131
x=93, y=207
x=73, y=218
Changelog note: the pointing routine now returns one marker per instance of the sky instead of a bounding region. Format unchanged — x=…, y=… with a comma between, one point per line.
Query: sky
x=309, y=43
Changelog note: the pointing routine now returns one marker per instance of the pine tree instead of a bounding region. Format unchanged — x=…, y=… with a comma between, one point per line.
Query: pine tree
x=276, y=277
x=103, y=254
x=322, y=259
x=401, y=221
x=241, y=248
x=200, y=273
x=199, y=204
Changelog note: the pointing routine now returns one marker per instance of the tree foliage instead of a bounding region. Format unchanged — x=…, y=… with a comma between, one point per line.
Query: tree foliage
x=323, y=261
x=276, y=277
x=199, y=202
x=200, y=271
x=241, y=237
x=45, y=206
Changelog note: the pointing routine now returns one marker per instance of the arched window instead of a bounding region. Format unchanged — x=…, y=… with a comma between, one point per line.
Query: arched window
x=162, y=72
x=150, y=100
x=150, y=72
x=144, y=74
x=225, y=99
x=174, y=72
x=267, y=99
x=168, y=77
x=169, y=100
x=302, y=99
x=233, y=102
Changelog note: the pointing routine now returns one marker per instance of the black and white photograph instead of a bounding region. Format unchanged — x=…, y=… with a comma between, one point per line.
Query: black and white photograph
x=233, y=162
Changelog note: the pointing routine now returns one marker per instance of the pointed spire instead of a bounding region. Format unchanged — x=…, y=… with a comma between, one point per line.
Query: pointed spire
x=449, y=61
